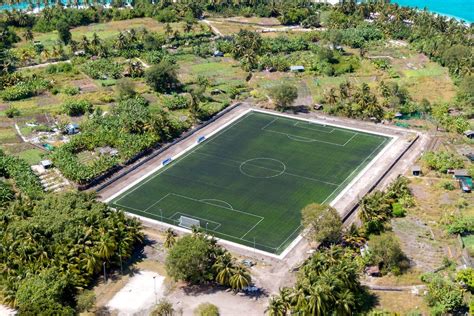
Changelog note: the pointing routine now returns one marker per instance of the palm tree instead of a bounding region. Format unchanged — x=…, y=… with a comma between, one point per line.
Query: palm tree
x=168, y=30
x=28, y=35
x=188, y=27
x=344, y=302
x=74, y=45
x=224, y=268
x=240, y=279
x=170, y=238
x=374, y=207
x=276, y=307
x=85, y=44
x=95, y=40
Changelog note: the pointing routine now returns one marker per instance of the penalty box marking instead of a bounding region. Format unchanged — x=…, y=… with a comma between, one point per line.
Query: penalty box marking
x=302, y=125
x=306, y=139
x=205, y=201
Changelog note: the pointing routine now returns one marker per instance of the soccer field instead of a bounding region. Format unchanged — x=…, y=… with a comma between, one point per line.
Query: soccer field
x=248, y=182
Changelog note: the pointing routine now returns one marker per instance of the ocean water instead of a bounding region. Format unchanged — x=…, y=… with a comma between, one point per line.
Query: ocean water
x=459, y=9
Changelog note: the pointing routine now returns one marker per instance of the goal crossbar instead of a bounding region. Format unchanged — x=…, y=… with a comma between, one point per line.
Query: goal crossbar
x=188, y=222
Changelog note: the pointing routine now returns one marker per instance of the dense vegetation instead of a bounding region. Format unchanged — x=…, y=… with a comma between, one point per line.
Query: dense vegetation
x=328, y=284
x=378, y=207
x=131, y=128
x=53, y=245
x=20, y=174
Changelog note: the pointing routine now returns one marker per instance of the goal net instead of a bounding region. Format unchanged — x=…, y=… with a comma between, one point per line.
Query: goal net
x=188, y=222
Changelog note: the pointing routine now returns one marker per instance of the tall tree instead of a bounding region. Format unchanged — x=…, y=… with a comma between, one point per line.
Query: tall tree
x=63, y=32
x=322, y=223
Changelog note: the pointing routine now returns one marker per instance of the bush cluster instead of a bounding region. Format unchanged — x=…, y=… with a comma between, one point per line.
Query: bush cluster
x=103, y=69
x=24, y=89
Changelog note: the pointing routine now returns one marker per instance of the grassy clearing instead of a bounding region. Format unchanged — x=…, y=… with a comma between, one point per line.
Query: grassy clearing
x=212, y=182
x=424, y=79
x=31, y=156
x=104, y=30
x=469, y=243
x=400, y=302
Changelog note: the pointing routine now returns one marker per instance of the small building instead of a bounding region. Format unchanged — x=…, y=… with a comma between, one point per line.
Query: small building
x=217, y=92
x=465, y=180
x=470, y=156
x=297, y=68
x=469, y=134
x=460, y=173
x=46, y=164
x=398, y=115
x=218, y=53
x=373, y=271
x=318, y=107
x=72, y=129
x=416, y=171
x=79, y=53
x=466, y=184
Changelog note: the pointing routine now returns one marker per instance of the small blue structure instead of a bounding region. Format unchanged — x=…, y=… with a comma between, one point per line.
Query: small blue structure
x=297, y=68
x=166, y=161
x=465, y=180
x=218, y=53
x=72, y=129
x=201, y=139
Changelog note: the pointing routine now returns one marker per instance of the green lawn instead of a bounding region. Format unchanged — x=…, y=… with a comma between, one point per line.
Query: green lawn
x=248, y=183
x=469, y=243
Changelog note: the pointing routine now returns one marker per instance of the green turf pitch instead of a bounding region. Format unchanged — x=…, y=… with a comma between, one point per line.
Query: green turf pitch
x=249, y=182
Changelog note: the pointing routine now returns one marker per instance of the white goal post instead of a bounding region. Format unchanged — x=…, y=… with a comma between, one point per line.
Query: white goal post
x=188, y=222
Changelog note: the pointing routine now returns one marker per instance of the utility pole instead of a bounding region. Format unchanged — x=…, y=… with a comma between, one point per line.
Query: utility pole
x=121, y=267
x=154, y=289
x=105, y=274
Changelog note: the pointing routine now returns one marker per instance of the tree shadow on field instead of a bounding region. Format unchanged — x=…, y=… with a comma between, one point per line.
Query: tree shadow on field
x=194, y=290
x=366, y=301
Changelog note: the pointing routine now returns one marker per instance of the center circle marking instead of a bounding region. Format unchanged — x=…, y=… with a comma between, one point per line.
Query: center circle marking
x=277, y=169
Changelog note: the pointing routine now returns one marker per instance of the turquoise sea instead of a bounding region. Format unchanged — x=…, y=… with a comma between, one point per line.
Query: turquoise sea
x=459, y=9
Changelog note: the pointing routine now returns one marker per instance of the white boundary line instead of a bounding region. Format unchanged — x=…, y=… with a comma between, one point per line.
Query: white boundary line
x=299, y=237
x=313, y=129
x=127, y=187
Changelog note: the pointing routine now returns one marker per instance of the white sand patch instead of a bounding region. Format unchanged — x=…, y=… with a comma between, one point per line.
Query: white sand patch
x=138, y=294
x=6, y=311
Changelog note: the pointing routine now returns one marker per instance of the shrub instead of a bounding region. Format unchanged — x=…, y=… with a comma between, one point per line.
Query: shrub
x=385, y=251
x=70, y=90
x=24, y=89
x=447, y=185
x=398, y=210
x=85, y=300
x=443, y=295
x=6, y=192
x=162, y=77
x=466, y=277
x=442, y=161
x=284, y=94
x=125, y=88
x=176, y=101
x=462, y=225
x=103, y=69
x=12, y=111
x=206, y=309
x=59, y=68
x=163, y=308
x=76, y=107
